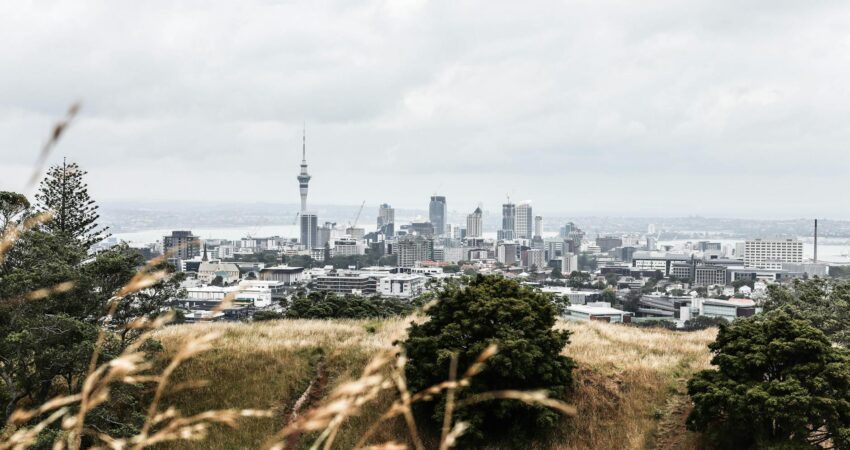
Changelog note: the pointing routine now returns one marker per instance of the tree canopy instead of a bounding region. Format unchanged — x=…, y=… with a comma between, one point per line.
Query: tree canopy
x=64, y=193
x=464, y=322
x=779, y=382
x=823, y=302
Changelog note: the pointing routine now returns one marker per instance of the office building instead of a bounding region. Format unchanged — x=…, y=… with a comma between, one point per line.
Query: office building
x=309, y=230
x=508, y=221
x=772, y=253
x=475, y=224
x=524, y=221
x=538, y=226
x=708, y=275
x=413, y=249
x=506, y=253
x=569, y=263
x=607, y=243
x=437, y=214
x=402, y=285
x=386, y=219
x=533, y=258
x=343, y=282
x=181, y=245
x=347, y=247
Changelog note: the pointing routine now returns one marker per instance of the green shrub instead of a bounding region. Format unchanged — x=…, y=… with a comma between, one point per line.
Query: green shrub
x=779, y=383
x=467, y=319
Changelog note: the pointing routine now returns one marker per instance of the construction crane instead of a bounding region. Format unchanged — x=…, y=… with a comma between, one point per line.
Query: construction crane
x=357, y=217
x=295, y=220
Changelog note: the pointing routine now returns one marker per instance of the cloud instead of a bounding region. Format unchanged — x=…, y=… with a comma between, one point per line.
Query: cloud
x=664, y=106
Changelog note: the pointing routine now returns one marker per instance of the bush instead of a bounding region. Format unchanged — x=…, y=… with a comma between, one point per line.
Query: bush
x=261, y=316
x=703, y=322
x=464, y=322
x=779, y=383
x=327, y=305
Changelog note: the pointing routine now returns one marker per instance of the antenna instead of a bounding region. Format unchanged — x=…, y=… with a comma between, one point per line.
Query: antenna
x=304, y=140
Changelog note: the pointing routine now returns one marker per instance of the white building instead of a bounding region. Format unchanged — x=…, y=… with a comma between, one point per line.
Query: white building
x=347, y=247
x=771, y=253
x=401, y=285
x=538, y=226
x=524, y=221
x=207, y=271
x=569, y=263
x=601, y=311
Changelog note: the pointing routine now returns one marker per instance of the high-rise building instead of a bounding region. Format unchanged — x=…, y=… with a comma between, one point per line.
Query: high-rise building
x=310, y=230
x=524, y=221
x=569, y=263
x=437, y=214
x=538, y=226
x=181, y=245
x=508, y=230
x=771, y=253
x=475, y=224
x=413, y=249
x=386, y=217
x=506, y=253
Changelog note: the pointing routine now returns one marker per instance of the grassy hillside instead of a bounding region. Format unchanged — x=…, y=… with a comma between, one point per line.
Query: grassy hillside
x=629, y=386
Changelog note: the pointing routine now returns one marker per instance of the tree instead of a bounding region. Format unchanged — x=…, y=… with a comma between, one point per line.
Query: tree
x=327, y=305
x=217, y=281
x=823, y=302
x=703, y=322
x=12, y=205
x=632, y=301
x=578, y=279
x=779, y=383
x=467, y=319
x=64, y=194
x=556, y=274
x=608, y=295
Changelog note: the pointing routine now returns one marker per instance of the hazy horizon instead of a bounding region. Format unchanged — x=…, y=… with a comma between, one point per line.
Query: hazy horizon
x=642, y=109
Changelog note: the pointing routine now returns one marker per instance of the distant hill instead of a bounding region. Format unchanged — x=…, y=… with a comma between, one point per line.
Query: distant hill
x=629, y=390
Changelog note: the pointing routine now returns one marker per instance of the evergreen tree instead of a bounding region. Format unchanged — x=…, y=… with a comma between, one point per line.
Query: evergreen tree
x=466, y=320
x=12, y=205
x=779, y=383
x=64, y=193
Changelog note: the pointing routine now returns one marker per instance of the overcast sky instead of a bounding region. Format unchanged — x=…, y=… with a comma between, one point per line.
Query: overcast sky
x=631, y=107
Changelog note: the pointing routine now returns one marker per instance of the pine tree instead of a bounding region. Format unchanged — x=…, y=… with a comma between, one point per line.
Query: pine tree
x=64, y=193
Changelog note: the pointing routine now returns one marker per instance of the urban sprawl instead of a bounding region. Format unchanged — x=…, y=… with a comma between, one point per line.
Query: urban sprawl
x=612, y=278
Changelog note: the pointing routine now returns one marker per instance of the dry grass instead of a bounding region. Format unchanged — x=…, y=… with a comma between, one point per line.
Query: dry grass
x=629, y=385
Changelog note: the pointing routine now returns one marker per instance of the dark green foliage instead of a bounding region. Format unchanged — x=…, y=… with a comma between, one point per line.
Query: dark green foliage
x=327, y=305
x=261, y=316
x=467, y=319
x=665, y=324
x=824, y=302
x=608, y=295
x=842, y=272
x=64, y=194
x=46, y=341
x=780, y=383
x=12, y=205
x=631, y=302
x=578, y=279
x=703, y=322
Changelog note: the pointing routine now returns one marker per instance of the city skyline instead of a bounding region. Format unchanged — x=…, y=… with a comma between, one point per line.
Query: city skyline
x=649, y=111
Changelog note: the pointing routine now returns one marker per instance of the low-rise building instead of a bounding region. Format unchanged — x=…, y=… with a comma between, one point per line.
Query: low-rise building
x=601, y=311
x=402, y=285
x=286, y=274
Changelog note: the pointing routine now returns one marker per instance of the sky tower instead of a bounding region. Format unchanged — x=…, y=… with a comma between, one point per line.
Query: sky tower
x=303, y=177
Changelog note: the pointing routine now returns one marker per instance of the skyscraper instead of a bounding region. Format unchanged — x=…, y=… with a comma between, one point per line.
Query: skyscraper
x=386, y=217
x=303, y=177
x=309, y=230
x=508, y=221
x=474, y=224
x=538, y=226
x=524, y=221
x=437, y=214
